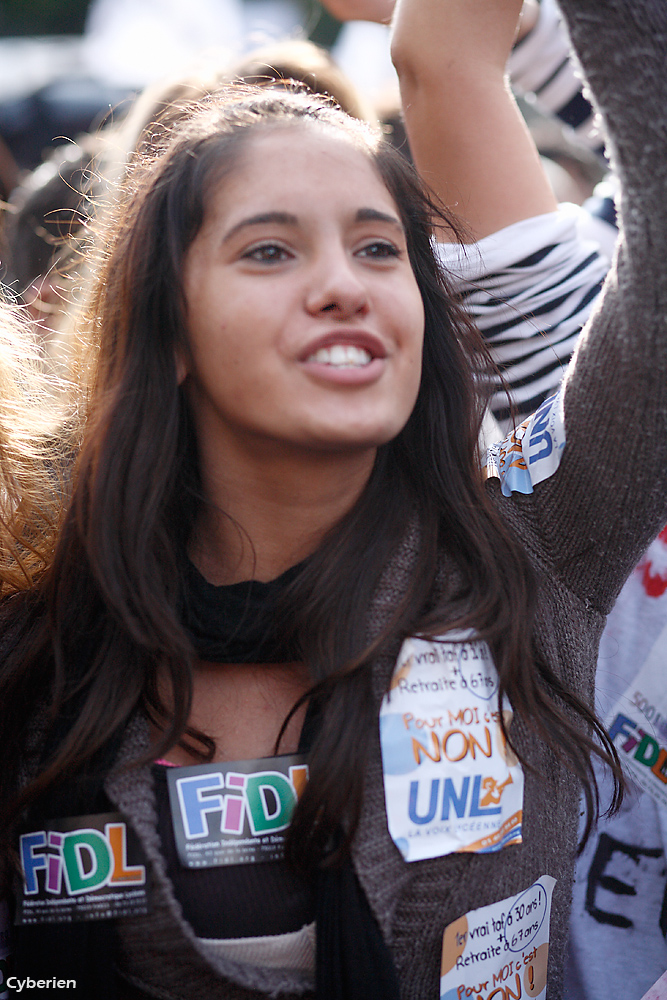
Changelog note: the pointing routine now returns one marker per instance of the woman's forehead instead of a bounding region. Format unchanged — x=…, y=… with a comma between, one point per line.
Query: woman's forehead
x=298, y=164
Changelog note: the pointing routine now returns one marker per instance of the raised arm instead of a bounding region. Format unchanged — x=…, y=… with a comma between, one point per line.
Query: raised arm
x=607, y=500
x=531, y=281
x=467, y=137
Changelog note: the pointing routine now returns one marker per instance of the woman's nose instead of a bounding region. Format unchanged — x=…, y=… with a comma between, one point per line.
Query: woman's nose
x=336, y=288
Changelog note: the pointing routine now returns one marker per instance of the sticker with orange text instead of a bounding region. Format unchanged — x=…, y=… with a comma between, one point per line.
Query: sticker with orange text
x=532, y=452
x=500, y=951
x=451, y=782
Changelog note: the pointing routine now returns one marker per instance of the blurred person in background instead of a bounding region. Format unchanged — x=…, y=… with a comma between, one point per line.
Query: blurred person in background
x=34, y=446
x=42, y=233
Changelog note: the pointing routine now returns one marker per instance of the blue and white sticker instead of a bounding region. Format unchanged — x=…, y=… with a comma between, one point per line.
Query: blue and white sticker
x=451, y=782
x=532, y=452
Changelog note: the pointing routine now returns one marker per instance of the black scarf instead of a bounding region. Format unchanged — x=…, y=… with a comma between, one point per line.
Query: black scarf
x=237, y=623
x=234, y=624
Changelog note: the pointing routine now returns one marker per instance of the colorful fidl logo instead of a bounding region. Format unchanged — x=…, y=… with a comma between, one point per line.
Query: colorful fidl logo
x=86, y=859
x=647, y=751
x=267, y=798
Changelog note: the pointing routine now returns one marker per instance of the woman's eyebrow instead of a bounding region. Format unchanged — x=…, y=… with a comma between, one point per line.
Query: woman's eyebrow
x=287, y=219
x=373, y=215
x=282, y=218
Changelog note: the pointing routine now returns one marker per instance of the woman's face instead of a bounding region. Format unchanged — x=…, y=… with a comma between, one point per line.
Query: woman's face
x=305, y=322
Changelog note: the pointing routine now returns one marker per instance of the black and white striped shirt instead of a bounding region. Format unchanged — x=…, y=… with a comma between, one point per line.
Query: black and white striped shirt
x=529, y=288
x=541, y=68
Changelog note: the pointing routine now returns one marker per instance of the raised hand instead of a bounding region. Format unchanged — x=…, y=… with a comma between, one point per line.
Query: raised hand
x=466, y=134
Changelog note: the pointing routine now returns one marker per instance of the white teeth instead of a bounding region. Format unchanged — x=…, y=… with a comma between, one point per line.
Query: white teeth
x=342, y=356
x=339, y=355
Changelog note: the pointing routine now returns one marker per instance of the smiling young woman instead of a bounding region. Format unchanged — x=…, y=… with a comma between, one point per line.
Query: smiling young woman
x=277, y=509
x=306, y=273
x=305, y=329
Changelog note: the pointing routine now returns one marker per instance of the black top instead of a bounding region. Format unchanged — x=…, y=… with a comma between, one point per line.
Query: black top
x=234, y=624
x=237, y=623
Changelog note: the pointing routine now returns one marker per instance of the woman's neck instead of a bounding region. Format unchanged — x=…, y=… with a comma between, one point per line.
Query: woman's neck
x=264, y=516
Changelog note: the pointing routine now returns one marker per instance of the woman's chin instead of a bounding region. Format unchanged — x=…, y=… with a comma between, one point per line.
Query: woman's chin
x=354, y=440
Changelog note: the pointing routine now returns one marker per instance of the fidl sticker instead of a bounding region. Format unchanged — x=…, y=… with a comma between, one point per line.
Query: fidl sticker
x=234, y=813
x=82, y=868
x=638, y=725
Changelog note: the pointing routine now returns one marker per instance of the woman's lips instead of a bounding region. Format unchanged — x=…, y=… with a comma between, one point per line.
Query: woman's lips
x=360, y=339
x=352, y=357
x=346, y=374
x=342, y=356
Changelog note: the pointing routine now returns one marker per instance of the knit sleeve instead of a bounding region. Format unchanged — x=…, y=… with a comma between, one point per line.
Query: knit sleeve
x=608, y=498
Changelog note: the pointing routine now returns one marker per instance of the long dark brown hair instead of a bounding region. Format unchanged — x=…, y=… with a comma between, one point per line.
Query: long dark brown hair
x=84, y=649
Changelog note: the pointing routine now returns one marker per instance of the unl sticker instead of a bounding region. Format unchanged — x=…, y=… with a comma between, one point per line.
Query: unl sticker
x=82, y=868
x=532, y=452
x=451, y=783
x=637, y=724
x=500, y=952
x=234, y=813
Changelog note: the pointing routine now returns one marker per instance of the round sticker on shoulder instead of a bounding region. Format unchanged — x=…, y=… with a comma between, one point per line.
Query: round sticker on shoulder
x=500, y=951
x=451, y=782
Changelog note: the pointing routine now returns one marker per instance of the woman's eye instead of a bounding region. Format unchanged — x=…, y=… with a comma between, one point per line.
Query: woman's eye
x=267, y=253
x=380, y=250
